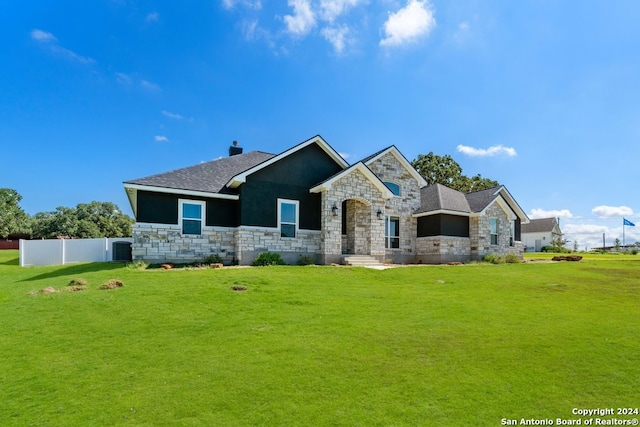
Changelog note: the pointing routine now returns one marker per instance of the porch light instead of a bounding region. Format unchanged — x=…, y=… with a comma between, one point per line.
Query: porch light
x=334, y=210
x=379, y=213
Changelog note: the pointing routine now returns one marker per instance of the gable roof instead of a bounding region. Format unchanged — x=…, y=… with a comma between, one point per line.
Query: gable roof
x=438, y=198
x=240, y=178
x=326, y=185
x=401, y=158
x=541, y=225
x=481, y=200
x=208, y=178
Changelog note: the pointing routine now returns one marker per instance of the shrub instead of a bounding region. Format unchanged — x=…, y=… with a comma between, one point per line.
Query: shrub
x=306, y=260
x=213, y=259
x=138, y=265
x=493, y=259
x=268, y=258
x=634, y=251
x=512, y=259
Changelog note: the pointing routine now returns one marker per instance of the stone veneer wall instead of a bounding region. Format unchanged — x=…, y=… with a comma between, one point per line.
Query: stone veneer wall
x=252, y=241
x=165, y=243
x=353, y=186
x=479, y=230
x=442, y=249
x=388, y=168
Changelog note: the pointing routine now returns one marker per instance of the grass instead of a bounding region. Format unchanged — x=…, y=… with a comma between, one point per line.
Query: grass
x=432, y=345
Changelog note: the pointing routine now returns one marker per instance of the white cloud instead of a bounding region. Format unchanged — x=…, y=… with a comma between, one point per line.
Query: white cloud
x=161, y=138
x=47, y=39
x=344, y=155
x=230, y=4
x=302, y=20
x=124, y=79
x=541, y=213
x=337, y=36
x=42, y=36
x=409, y=24
x=331, y=9
x=171, y=115
x=484, y=152
x=611, y=211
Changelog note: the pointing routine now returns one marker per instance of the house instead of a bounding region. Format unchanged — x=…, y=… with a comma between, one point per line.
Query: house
x=539, y=233
x=308, y=201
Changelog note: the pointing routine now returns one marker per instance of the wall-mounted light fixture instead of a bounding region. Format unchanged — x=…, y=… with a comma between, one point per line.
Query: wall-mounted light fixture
x=379, y=213
x=334, y=210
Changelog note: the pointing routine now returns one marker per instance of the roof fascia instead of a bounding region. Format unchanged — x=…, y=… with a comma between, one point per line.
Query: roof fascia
x=179, y=191
x=442, y=211
x=241, y=178
x=403, y=160
x=514, y=206
x=386, y=193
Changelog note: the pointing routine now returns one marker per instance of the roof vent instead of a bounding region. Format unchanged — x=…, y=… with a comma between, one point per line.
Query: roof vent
x=235, y=149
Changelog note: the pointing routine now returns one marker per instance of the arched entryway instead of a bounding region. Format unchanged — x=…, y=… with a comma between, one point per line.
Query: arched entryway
x=356, y=226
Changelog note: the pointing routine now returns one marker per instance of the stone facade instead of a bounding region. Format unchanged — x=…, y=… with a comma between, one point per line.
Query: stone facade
x=480, y=232
x=365, y=232
x=389, y=169
x=165, y=243
x=442, y=249
x=250, y=242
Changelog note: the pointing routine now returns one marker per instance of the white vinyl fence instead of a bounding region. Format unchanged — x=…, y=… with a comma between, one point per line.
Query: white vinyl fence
x=67, y=251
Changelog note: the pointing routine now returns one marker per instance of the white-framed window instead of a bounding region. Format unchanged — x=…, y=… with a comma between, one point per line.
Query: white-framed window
x=395, y=188
x=288, y=215
x=391, y=232
x=191, y=216
x=493, y=230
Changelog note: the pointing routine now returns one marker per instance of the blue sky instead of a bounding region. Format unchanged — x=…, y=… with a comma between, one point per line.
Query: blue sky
x=539, y=95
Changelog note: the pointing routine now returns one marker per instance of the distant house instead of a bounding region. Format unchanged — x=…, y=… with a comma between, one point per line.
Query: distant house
x=308, y=201
x=539, y=233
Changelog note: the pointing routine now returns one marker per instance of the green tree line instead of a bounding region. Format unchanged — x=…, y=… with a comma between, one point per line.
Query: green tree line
x=87, y=220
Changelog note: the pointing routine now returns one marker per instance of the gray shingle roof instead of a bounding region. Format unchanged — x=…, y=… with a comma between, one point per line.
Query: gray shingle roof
x=479, y=200
x=541, y=225
x=366, y=159
x=439, y=197
x=208, y=177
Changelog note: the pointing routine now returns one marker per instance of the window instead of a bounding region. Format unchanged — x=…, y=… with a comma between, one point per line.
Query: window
x=191, y=216
x=288, y=217
x=493, y=226
x=391, y=232
x=395, y=188
x=512, y=232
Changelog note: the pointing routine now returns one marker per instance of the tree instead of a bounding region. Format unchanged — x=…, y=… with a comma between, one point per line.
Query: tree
x=87, y=220
x=446, y=171
x=12, y=218
x=558, y=241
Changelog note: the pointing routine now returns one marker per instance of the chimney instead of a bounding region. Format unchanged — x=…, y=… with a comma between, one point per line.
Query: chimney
x=235, y=149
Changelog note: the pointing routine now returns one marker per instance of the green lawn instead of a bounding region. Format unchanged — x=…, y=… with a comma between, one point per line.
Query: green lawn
x=318, y=346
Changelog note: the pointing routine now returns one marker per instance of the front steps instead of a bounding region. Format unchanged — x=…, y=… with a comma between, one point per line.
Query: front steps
x=362, y=261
